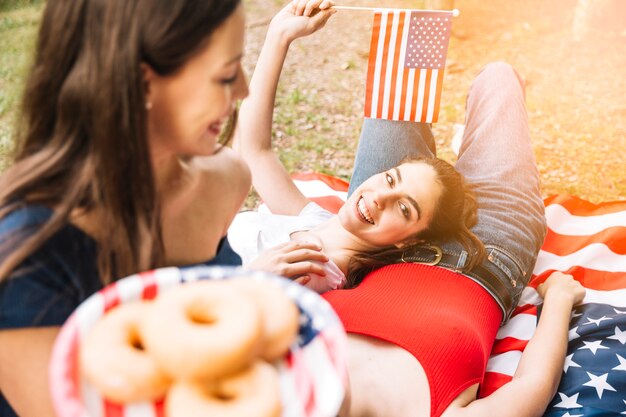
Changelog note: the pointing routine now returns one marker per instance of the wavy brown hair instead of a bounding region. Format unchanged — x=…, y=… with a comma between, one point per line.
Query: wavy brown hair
x=455, y=213
x=81, y=140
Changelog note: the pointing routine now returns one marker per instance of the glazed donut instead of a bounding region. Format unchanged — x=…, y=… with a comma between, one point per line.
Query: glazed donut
x=253, y=392
x=202, y=330
x=113, y=360
x=279, y=316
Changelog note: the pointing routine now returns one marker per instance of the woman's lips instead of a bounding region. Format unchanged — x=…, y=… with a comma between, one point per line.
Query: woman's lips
x=363, y=211
x=215, y=128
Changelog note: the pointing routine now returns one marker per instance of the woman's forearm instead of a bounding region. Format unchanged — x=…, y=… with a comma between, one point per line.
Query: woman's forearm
x=253, y=137
x=543, y=357
x=539, y=370
x=256, y=112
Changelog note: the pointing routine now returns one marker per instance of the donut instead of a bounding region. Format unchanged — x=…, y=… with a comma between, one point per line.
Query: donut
x=113, y=359
x=279, y=316
x=202, y=331
x=253, y=392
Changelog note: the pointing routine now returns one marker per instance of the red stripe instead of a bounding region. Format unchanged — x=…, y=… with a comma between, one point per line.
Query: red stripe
x=613, y=237
x=438, y=95
x=111, y=297
x=508, y=344
x=332, y=204
x=589, y=278
x=64, y=375
x=396, y=60
x=371, y=64
x=492, y=382
x=302, y=380
x=405, y=83
x=150, y=286
x=383, y=70
x=159, y=408
x=335, y=183
x=426, y=95
x=525, y=309
x=580, y=207
x=336, y=351
x=416, y=85
x=112, y=409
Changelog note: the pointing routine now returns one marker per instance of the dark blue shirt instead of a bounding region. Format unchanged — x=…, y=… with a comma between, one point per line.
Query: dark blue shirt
x=49, y=284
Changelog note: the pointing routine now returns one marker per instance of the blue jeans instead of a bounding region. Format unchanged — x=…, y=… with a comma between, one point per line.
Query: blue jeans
x=497, y=158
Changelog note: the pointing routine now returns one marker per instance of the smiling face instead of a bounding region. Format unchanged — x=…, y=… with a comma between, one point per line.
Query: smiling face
x=189, y=107
x=392, y=206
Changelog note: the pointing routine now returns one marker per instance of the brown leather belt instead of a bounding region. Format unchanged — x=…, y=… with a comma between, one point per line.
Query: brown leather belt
x=433, y=255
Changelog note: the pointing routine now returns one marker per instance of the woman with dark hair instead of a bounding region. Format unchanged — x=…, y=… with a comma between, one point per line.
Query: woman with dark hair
x=420, y=331
x=418, y=200
x=118, y=168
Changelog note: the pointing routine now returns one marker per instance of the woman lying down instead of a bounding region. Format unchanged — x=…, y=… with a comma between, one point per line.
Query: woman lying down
x=419, y=334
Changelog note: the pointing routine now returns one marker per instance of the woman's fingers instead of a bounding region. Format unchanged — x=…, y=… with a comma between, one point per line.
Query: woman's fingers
x=291, y=246
x=292, y=259
x=311, y=6
x=305, y=254
x=303, y=280
x=326, y=4
x=300, y=7
x=564, y=284
x=319, y=20
x=302, y=268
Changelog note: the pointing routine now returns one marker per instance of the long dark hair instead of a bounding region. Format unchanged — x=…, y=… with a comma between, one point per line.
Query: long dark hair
x=456, y=212
x=82, y=135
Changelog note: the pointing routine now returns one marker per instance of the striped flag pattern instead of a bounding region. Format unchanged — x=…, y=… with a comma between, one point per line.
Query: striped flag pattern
x=588, y=241
x=406, y=64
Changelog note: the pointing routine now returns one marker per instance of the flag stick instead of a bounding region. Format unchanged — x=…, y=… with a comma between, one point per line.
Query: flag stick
x=455, y=12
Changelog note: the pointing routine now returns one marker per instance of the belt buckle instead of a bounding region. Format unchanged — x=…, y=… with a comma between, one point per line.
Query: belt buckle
x=438, y=255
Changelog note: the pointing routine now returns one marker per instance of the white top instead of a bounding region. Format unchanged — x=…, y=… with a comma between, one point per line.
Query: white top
x=251, y=232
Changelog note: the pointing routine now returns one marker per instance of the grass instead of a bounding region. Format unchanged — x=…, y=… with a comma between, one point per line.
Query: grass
x=574, y=96
x=19, y=20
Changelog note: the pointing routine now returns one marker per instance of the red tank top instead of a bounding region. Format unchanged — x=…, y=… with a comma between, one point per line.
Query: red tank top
x=444, y=319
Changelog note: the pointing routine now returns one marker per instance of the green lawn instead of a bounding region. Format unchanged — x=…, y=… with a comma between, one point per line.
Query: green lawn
x=574, y=93
x=18, y=28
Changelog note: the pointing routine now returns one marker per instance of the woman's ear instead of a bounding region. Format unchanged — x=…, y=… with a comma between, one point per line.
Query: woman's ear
x=148, y=76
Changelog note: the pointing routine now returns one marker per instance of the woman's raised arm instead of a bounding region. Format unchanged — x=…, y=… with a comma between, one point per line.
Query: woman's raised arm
x=253, y=138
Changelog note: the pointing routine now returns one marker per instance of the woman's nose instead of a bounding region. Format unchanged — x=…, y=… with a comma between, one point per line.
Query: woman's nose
x=381, y=198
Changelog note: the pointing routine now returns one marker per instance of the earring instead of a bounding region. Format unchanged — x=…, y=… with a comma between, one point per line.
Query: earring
x=148, y=105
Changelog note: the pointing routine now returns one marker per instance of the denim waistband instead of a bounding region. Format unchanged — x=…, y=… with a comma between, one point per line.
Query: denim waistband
x=499, y=273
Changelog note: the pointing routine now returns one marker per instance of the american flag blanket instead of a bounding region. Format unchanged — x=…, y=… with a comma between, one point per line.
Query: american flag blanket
x=588, y=241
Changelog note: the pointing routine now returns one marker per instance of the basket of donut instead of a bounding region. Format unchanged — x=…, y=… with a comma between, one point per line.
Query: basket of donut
x=200, y=341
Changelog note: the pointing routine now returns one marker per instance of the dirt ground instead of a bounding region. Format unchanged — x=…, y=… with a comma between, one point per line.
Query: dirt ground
x=575, y=89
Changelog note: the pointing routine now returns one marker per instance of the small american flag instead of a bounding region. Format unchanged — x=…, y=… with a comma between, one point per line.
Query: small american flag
x=406, y=64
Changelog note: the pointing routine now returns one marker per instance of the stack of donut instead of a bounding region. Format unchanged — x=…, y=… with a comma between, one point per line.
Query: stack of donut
x=206, y=346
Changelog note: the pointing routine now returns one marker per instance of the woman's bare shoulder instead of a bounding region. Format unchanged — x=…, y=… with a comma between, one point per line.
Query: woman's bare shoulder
x=224, y=171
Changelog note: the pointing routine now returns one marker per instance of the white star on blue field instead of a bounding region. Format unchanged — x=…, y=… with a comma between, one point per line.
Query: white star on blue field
x=593, y=382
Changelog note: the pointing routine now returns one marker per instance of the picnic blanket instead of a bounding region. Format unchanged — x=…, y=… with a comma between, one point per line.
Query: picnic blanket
x=588, y=241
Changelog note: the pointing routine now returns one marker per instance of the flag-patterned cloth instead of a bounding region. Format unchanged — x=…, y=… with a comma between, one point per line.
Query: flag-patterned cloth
x=406, y=64
x=588, y=241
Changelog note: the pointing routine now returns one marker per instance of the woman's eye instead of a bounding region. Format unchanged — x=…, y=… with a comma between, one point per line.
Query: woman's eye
x=390, y=179
x=405, y=210
x=228, y=81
